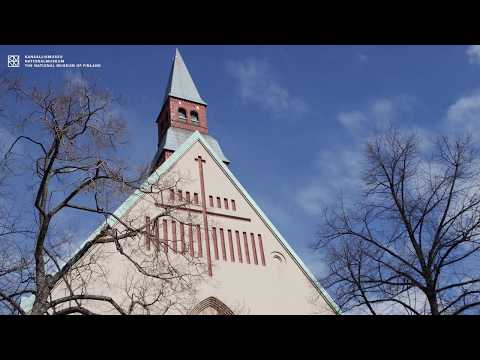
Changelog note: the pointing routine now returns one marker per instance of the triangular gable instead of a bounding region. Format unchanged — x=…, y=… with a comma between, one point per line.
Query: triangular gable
x=155, y=176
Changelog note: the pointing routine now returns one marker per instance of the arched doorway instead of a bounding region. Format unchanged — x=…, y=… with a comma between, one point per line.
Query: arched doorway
x=211, y=306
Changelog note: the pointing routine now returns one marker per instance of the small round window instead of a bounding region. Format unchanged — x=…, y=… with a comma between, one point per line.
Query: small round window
x=278, y=257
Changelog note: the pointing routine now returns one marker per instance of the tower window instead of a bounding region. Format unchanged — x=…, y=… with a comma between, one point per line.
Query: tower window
x=182, y=114
x=194, y=116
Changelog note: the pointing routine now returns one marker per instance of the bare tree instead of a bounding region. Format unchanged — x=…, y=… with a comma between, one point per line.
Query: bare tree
x=410, y=244
x=69, y=138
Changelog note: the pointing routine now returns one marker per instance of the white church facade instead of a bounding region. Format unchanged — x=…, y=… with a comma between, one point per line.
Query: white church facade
x=214, y=248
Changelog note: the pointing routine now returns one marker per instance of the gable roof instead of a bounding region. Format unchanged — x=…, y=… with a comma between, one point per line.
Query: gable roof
x=198, y=137
x=180, y=83
x=165, y=166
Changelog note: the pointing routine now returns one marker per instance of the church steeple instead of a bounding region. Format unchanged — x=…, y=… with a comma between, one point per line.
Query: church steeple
x=180, y=84
x=183, y=112
x=183, y=106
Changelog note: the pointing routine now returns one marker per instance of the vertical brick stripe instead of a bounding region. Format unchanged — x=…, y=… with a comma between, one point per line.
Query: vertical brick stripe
x=156, y=236
x=199, y=240
x=190, y=238
x=215, y=242
x=260, y=244
x=165, y=236
x=174, y=236
x=230, y=244
x=222, y=239
x=147, y=232
x=245, y=244
x=239, y=247
x=254, y=249
x=182, y=238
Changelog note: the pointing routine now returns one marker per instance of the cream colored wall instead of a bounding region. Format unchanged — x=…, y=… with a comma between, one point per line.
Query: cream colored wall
x=277, y=288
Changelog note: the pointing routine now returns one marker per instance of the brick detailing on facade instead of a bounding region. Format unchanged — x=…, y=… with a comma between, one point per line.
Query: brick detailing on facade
x=180, y=197
x=231, y=246
x=228, y=204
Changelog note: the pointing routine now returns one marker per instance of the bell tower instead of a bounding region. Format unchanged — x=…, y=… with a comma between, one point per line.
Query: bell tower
x=183, y=106
x=183, y=112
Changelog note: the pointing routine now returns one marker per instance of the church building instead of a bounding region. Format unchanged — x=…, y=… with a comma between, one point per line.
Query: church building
x=202, y=222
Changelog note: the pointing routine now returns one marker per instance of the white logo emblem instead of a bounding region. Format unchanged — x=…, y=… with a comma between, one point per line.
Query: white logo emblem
x=13, y=60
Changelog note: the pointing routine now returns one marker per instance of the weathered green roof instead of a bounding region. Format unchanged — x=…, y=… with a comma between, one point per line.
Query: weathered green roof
x=180, y=84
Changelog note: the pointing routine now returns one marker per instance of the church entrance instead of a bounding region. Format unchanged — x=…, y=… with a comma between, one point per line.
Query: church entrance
x=211, y=306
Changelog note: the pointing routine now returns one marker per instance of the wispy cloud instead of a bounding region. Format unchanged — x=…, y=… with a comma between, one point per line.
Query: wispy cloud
x=337, y=170
x=383, y=110
x=352, y=120
x=257, y=84
x=361, y=58
x=464, y=115
x=378, y=115
x=75, y=78
x=414, y=297
x=473, y=54
x=331, y=178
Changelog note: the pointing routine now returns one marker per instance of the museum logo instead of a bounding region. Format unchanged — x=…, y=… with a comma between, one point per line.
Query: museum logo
x=37, y=61
x=13, y=61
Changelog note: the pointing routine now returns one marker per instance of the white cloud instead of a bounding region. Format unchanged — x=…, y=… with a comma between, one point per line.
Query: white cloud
x=393, y=108
x=380, y=114
x=75, y=78
x=258, y=85
x=383, y=110
x=352, y=120
x=313, y=197
x=337, y=171
x=464, y=116
x=414, y=298
x=473, y=54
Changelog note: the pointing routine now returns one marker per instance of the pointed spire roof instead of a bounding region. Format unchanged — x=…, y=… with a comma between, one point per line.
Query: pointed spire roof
x=180, y=83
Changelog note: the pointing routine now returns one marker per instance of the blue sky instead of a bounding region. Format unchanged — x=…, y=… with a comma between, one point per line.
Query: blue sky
x=292, y=116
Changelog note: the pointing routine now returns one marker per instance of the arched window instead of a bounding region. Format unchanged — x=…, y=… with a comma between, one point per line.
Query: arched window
x=211, y=306
x=182, y=114
x=194, y=116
